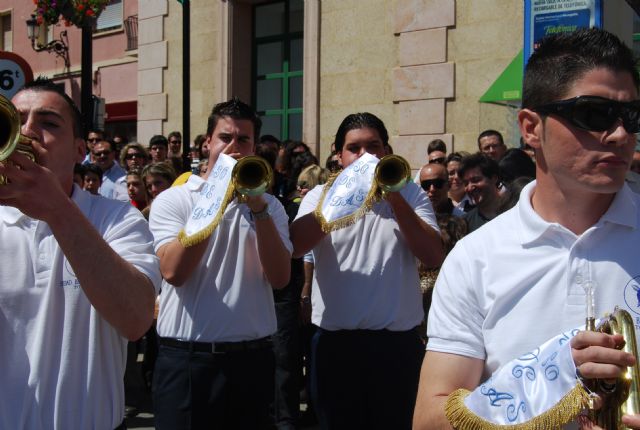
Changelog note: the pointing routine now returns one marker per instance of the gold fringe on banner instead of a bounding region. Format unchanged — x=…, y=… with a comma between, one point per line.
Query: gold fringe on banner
x=203, y=234
x=563, y=412
x=328, y=226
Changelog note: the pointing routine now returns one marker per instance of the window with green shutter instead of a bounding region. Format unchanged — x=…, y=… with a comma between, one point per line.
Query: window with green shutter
x=277, y=67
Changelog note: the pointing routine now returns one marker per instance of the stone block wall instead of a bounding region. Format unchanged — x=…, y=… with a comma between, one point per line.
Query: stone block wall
x=423, y=78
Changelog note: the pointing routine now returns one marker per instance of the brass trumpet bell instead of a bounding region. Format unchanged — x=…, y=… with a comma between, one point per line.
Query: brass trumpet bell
x=624, y=398
x=252, y=176
x=10, y=138
x=392, y=173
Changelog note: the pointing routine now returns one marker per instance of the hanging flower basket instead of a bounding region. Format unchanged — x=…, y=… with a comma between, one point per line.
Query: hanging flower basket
x=73, y=12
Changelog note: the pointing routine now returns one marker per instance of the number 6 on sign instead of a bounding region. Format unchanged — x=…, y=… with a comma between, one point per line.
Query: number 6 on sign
x=15, y=72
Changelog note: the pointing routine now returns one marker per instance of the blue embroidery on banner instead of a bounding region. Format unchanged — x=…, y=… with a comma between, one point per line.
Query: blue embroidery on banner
x=566, y=337
x=527, y=371
x=551, y=371
x=495, y=397
x=513, y=411
x=220, y=172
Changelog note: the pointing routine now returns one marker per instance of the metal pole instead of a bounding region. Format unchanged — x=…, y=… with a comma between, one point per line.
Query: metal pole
x=186, y=87
x=86, y=83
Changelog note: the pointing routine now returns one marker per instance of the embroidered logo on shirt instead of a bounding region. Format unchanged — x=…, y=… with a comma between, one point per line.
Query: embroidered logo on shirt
x=69, y=278
x=632, y=295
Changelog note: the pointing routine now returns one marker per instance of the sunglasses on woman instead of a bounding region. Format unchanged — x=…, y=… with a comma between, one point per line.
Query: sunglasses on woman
x=595, y=113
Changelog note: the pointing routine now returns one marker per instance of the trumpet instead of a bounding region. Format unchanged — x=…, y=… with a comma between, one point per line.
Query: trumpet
x=252, y=176
x=622, y=397
x=392, y=173
x=10, y=138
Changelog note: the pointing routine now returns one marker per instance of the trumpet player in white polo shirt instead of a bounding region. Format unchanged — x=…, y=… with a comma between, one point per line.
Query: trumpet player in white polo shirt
x=222, y=249
x=366, y=298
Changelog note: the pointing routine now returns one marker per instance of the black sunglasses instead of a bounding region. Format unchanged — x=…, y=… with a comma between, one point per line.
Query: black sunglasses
x=132, y=156
x=595, y=113
x=437, y=160
x=438, y=183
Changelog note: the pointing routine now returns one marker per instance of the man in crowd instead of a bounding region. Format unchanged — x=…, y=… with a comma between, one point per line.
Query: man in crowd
x=479, y=175
x=215, y=365
x=158, y=148
x=434, y=180
x=114, y=177
x=93, y=137
x=527, y=274
x=491, y=143
x=77, y=279
x=365, y=296
x=175, y=144
x=437, y=151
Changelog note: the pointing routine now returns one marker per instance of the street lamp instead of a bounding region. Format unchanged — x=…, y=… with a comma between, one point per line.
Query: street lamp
x=58, y=47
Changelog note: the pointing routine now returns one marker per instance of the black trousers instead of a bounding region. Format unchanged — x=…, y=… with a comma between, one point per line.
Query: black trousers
x=202, y=390
x=365, y=379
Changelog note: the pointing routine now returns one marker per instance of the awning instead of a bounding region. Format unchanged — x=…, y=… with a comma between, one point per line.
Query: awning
x=507, y=89
x=121, y=111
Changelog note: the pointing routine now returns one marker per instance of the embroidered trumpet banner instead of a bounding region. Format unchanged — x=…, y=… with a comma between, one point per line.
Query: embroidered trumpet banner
x=215, y=195
x=348, y=196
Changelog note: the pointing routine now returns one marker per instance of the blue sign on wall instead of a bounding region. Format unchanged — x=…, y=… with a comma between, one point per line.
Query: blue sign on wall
x=545, y=17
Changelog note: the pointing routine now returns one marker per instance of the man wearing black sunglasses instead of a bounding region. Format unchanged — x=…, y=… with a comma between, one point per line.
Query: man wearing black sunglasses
x=525, y=277
x=434, y=180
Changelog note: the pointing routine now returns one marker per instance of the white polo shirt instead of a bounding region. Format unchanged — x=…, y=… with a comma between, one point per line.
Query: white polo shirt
x=61, y=363
x=365, y=275
x=518, y=281
x=227, y=298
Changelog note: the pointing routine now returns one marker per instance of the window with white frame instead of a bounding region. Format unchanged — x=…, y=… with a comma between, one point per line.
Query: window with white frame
x=111, y=17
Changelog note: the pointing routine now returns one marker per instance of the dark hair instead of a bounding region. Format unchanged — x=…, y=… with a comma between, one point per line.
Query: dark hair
x=456, y=156
x=512, y=193
x=45, y=84
x=490, y=133
x=332, y=165
x=514, y=164
x=436, y=145
x=298, y=164
x=159, y=139
x=235, y=109
x=79, y=169
x=360, y=120
x=270, y=138
x=488, y=166
x=289, y=151
x=93, y=168
x=174, y=134
x=110, y=142
x=199, y=141
x=562, y=59
x=267, y=152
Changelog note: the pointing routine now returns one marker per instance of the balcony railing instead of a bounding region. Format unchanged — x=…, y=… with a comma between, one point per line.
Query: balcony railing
x=131, y=29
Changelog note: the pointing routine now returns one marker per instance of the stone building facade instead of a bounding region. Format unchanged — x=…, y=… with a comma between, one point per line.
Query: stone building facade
x=420, y=65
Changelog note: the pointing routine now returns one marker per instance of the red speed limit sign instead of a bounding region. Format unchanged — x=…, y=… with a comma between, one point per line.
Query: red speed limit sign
x=14, y=73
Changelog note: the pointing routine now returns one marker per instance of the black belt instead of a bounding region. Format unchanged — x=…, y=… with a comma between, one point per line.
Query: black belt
x=218, y=347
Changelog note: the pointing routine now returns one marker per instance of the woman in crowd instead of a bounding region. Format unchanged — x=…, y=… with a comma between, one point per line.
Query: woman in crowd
x=133, y=156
